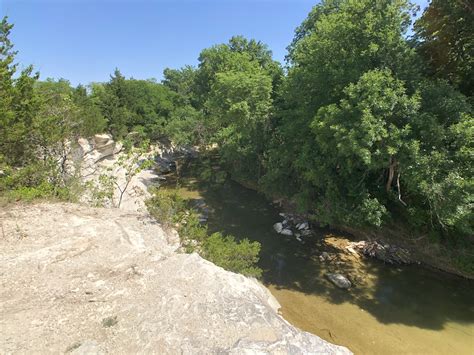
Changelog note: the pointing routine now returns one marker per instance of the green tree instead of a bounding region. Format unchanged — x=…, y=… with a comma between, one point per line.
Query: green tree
x=111, y=100
x=130, y=105
x=338, y=42
x=237, y=55
x=444, y=36
x=90, y=118
x=182, y=82
x=438, y=171
x=234, y=86
x=360, y=142
x=360, y=134
x=18, y=104
x=187, y=127
x=239, y=107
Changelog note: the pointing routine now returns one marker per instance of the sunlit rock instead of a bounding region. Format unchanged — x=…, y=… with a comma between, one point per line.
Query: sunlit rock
x=339, y=280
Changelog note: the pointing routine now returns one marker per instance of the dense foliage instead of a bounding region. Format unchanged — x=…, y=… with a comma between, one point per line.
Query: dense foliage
x=368, y=126
x=38, y=122
x=445, y=40
x=371, y=137
x=365, y=126
x=231, y=96
x=143, y=106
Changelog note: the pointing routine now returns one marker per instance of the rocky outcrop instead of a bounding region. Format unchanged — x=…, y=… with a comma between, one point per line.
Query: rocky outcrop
x=91, y=281
x=93, y=150
x=388, y=253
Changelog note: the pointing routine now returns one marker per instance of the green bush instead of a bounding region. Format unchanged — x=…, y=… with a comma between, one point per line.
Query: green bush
x=37, y=180
x=240, y=257
x=237, y=256
x=166, y=207
x=193, y=234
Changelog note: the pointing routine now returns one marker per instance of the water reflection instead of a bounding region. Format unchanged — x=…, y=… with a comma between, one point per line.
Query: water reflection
x=389, y=301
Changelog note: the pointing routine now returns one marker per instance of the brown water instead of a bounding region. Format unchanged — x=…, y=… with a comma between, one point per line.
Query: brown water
x=397, y=310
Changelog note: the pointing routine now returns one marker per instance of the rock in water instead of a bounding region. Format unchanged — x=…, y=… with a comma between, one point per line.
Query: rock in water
x=387, y=253
x=278, y=227
x=339, y=280
x=304, y=225
x=87, y=280
x=286, y=231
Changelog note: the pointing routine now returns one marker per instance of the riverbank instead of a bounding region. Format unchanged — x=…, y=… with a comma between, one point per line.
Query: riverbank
x=425, y=253
x=382, y=312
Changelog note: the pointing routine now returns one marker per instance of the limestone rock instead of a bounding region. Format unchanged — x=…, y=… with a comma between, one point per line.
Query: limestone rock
x=278, y=227
x=102, y=139
x=286, y=231
x=106, y=149
x=339, y=280
x=391, y=254
x=84, y=280
x=304, y=225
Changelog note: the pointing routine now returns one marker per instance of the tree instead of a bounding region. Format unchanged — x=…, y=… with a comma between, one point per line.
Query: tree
x=132, y=163
x=444, y=38
x=337, y=44
x=361, y=136
x=360, y=142
x=111, y=101
x=182, y=82
x=239, y=55
x=90, y=118
x=55, y=126
x=439, y=169
x=111, y=186
x=130, y=105
x=187, y=127
x=239, y=107
x=18, y=103
x=235, y=84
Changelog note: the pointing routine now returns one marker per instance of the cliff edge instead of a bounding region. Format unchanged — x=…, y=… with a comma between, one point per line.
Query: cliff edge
x=87, y=280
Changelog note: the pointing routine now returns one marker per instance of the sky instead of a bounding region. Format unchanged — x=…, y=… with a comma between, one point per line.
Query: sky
x=85, y=40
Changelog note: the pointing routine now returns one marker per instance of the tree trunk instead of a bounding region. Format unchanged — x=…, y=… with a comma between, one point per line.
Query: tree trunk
x=391, y=173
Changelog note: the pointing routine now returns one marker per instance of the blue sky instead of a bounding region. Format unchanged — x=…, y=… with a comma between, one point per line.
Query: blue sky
x=84, y=41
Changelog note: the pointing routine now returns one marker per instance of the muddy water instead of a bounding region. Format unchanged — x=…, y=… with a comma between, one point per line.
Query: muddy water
x=392, y=310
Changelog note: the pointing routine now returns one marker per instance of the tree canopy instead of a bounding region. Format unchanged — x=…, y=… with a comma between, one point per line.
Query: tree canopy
x=364, y=126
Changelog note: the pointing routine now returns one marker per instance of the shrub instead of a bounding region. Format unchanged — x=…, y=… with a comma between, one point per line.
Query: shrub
x=237, y=256
x=36, y=180
x=240, y=257
x=166, y=207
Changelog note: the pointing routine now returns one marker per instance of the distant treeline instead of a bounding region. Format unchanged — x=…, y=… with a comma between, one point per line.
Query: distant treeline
x=363, y=125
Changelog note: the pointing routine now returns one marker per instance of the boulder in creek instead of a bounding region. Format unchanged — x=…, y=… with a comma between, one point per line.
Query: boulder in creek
x=286, y=231
x=391, y=254
x=339, y=280
x=304, y=225
x=278, y=227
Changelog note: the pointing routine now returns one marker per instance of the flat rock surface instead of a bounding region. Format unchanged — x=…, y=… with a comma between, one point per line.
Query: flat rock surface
x=91, y=281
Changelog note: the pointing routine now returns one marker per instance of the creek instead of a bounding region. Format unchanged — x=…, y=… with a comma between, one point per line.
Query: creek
x=390, y=310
